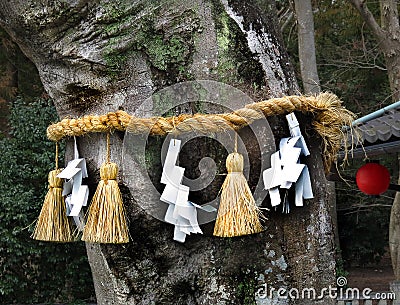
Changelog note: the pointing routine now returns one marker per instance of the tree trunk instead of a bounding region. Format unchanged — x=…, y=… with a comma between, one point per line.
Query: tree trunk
x=8, y=80
x=391, y=44
x=101, y=56
x=391, y=50
x=310, y=79
x=394, y=235
x=392, y=58
x=311, y=84
x=307, y=57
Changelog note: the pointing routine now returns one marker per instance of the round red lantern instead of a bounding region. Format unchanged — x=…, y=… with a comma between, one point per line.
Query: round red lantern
x=373, y=179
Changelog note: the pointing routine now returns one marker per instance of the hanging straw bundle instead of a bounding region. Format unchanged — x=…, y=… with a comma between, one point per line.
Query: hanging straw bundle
x=237, y=214
x=53, y=223
x=106, y=222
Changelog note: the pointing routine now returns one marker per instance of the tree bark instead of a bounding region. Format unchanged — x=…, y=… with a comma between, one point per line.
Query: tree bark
x=310, y=79
x=307, y=57
x=394, y=235
x=8, y=80
x=97, y=56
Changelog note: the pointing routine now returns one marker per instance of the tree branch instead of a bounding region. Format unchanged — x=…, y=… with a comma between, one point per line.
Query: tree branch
x=356, y=64
x=289, y=18
x=366, y=14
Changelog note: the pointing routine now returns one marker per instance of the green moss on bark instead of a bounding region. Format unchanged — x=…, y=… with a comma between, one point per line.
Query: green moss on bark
x=246, y=288
x=168, y=46
x=169, y=52
x=236, y=63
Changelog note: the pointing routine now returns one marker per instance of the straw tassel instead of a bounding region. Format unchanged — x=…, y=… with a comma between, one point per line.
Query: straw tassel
x=237, y=214
x=106, y=222
x=53, y=223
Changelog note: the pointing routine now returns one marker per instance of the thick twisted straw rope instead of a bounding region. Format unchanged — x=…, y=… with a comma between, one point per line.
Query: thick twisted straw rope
x=329, y=118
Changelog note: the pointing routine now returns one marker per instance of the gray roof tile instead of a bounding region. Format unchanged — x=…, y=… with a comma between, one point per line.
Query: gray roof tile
x=381, y=129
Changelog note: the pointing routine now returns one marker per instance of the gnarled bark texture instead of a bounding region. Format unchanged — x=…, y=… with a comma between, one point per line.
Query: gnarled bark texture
x=99, y=56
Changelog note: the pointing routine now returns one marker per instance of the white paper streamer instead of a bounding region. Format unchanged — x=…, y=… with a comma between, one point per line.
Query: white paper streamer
x=181, y=212
x=296, y=132
x=286, y=168
x=76, y=193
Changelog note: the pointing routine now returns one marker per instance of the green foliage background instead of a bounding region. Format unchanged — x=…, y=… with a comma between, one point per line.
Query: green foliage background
x=33, y=271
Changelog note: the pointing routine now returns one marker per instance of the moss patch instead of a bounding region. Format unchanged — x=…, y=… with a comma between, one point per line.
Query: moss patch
x=168, y=47
x=246, y=288
x=236, y=63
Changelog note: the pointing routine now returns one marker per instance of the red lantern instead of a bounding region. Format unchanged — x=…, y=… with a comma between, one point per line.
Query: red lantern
x=373, y=179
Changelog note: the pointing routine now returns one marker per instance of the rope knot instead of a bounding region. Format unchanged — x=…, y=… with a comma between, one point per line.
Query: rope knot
x=234, y=163
x=109, y=171
x=54, y=181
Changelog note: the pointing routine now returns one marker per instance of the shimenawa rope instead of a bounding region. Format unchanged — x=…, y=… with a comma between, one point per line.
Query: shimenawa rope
x=329, y=117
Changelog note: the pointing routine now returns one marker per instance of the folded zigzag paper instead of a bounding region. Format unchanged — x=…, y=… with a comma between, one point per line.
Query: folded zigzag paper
x=77, y=194
x=181, y=212
x=286, y=168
